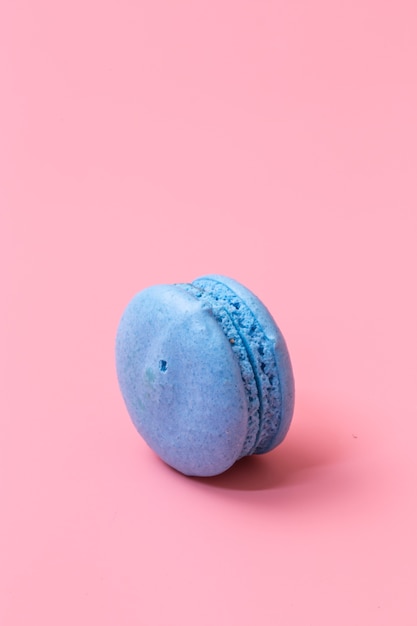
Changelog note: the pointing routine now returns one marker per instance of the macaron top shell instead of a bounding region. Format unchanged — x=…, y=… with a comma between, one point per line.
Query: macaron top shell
x=181, y=381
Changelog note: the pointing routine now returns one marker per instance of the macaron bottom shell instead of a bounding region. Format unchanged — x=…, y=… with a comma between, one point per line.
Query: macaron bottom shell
x=268, y=354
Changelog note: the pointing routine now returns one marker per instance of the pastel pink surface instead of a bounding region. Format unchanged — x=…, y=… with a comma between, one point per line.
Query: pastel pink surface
x=155, y=142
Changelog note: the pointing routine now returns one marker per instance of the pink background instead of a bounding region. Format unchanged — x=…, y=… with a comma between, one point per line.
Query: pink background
x=152, y=142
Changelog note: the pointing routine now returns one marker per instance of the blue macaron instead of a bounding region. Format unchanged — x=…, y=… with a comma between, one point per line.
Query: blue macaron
x=205, y=373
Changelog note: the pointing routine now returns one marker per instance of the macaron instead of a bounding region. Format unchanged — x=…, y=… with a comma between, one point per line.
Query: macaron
x=205, y=373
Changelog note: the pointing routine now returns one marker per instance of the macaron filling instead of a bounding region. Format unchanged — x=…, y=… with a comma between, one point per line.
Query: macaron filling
x=255, y=353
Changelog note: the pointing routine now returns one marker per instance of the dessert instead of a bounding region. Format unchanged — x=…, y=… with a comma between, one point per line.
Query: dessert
x=205, y=373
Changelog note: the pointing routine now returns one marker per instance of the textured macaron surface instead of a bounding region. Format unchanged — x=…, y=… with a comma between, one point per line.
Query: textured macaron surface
x=205, y=373
x=264, y=348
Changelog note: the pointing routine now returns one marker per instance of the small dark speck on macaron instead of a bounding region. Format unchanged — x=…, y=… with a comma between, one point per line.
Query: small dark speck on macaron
x=354, y=436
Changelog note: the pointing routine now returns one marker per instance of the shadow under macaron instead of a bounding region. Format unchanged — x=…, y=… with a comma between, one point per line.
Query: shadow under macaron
x=317, y=438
